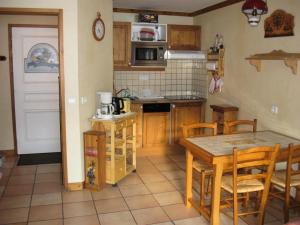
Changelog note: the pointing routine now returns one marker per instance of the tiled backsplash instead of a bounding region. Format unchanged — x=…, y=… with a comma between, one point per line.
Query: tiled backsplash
x=181, y=77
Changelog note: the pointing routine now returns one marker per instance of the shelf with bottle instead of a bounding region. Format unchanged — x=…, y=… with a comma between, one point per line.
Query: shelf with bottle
x=148, y=32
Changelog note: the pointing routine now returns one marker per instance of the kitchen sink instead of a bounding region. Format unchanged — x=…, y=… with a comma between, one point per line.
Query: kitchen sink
x=182, y=97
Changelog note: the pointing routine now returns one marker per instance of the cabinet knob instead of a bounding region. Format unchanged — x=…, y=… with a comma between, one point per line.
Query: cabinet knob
x=141, y=107
x=170, y=47
x=173, y=106
x=129, y=63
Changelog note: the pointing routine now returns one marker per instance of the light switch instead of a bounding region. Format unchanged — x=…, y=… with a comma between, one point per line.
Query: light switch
x=71, y=100
x=83, y=99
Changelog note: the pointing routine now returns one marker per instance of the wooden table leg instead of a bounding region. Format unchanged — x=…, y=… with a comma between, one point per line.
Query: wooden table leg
x=216, y=193
x=189, y=178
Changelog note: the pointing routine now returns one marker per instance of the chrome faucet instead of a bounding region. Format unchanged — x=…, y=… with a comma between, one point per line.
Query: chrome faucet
x=125, y=90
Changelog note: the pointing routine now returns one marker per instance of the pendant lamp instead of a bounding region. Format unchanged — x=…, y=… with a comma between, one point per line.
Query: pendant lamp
x=253, y=9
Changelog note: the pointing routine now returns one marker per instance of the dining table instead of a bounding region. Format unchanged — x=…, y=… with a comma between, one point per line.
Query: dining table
x=217, y=151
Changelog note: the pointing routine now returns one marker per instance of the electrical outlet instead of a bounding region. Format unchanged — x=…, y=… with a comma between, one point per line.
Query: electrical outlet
x=83, y=99
x=274, y=109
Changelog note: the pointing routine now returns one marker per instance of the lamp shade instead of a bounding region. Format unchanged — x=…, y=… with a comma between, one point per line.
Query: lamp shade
x=253, y=9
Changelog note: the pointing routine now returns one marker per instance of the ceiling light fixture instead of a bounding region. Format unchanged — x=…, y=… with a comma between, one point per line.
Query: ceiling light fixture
x=253, y=9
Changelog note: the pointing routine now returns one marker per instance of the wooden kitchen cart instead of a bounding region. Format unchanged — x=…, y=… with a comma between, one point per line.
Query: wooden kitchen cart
x=223, y=113
x=94, y=159
x=120, y=157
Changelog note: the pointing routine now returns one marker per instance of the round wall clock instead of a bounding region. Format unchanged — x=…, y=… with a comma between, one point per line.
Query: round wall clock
x=98, y=28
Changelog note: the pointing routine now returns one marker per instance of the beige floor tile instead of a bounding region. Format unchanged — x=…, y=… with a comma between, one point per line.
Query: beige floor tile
x=4, y=180
x=15, y=202
x=46, y=199
x=181, y=165
x=168, y=198
x=13, y=190
x=173, y=175
x=165, y=223
x=8, y=164
x=146, y=169
x=193, y=221
x=141, y=202
x=45, y=212
x=23, y=170
x=82, y=220
x=179, y=211
x=132, y=178
x=152, y=177
x=5, y=171
x=106, y=193
x=159, y=187
x=76, y=196
x=79, y=209
x=118, y=218
x=49, y=168
x=49, y=187
x=227, y=220
x=48, y=177
x=166, y=166
x=111, y=205
x=179, y=184
x=157, y=159
x=2, y=190
x=47, y=222
x=136, y=189
x=24, y=179
x=177, y=158
x=13, y=215
x=149, y=216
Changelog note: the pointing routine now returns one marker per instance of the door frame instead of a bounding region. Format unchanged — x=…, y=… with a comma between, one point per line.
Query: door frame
x=43, y=12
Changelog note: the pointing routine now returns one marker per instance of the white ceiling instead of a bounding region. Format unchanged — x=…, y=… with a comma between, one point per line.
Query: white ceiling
x=165, y=5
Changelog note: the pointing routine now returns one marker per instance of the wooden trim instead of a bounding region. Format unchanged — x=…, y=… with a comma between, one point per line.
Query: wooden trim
x=33, y=25
x=168, y=13
x=29, y=11
x=54, y=12
x=190, y=14
x=74, y=186
x=215, y=7
x=8, y=153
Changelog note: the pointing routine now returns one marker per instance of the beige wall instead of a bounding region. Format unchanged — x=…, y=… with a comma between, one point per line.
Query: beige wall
x=131, y=17
x=95, y=61
x=71, y=76
x=255, y=92
x=6, y=130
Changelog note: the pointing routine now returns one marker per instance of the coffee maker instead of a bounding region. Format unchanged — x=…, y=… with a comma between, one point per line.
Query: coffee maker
x=105, y=109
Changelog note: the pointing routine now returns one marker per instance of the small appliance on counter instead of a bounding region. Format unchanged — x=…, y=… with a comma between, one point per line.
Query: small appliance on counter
x=126, y=105
x=118, y=104
x=105, y=109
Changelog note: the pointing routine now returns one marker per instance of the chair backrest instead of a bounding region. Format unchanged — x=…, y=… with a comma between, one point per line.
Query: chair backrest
x=254, y=158
x=189, y=130
x=293, y=158
x=230, y=126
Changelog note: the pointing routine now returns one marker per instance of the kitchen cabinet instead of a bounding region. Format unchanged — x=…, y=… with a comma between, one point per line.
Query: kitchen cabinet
x=120, y=145
x=184, y=37
x=138, y=109
x=122, y=44
x=183, y=114
x=156, y=129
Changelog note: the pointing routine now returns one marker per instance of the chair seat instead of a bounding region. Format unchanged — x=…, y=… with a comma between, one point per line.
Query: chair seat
x=243, y=186
x=278, y=178
x=202, y=167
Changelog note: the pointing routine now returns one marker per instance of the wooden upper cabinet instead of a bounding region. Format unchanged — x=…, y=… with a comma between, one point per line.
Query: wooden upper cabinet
x=122, y=44
x=184, y=37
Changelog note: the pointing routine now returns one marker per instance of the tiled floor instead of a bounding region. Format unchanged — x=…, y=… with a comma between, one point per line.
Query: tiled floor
x=34, y=195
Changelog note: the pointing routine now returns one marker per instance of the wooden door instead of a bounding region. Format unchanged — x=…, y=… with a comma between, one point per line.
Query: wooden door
x=138, y=108
x=156, y=129
x=122, y=44
x=36, y=89
x=184, y=37
x=183, y=114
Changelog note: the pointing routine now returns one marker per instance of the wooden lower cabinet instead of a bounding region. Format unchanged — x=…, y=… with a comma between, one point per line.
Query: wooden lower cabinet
x=138, y=109
x=156, y=129
x=183, y=114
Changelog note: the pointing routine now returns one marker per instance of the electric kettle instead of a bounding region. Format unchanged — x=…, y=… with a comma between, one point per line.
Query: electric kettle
x=118, y=104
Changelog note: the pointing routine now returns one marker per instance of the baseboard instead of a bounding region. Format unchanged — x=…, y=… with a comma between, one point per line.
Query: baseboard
x=8, y=153
x=75, y=186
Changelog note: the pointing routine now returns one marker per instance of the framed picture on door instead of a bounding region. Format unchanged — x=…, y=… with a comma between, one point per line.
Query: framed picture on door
x=41, y=58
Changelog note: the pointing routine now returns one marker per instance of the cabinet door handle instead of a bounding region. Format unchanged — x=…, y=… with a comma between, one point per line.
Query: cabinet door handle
x=129, y=63
x=170, y=47
x=173, y=106
x=141, y=107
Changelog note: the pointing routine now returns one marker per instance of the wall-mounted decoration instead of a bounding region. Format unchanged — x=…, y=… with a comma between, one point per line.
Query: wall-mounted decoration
x=41, y=58
x=98, y=28
x=2, y=58
x=279, y=24
x=148, y=18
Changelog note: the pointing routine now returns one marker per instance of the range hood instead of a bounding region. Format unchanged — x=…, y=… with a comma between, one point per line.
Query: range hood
x=176, y=54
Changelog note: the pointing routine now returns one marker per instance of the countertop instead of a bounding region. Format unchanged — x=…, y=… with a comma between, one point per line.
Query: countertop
x=167, y=100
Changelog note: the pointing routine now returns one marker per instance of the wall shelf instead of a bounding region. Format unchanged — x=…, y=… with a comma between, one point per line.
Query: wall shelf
x=290, y=59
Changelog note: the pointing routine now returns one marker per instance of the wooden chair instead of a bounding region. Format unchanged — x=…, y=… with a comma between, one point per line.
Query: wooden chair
x=239, y=184
x=286, y=179
x=201, y=167
x=230, y=126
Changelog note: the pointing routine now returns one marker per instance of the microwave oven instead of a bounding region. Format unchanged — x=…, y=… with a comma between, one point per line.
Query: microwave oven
x=148, y=54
